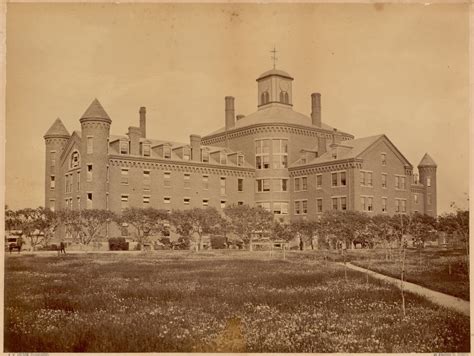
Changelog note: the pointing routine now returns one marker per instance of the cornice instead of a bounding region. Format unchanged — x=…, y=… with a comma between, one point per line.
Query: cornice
x=324, y=167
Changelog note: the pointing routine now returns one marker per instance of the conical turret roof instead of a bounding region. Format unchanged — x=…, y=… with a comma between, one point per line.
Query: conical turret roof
x=96, y=111
x=57, y=129
x=427, y=161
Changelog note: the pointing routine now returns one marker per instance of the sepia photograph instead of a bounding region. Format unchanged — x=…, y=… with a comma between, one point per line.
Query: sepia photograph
x=236, y=178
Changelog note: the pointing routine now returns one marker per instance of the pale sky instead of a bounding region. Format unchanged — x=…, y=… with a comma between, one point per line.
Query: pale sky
x=401, y=70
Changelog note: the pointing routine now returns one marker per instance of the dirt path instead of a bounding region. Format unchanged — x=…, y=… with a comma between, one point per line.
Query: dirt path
x=448, y=301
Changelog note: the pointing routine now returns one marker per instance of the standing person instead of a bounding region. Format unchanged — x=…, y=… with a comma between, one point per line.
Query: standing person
x=62, y=248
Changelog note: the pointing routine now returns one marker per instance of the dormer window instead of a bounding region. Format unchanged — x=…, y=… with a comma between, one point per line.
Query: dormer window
x=186, y=153
x=240, y=160
x=75, y=159
x=146, y=149
x=205, y=155
x=167, y=152
x=284, y=97
x=124, y=147
x=223, y=158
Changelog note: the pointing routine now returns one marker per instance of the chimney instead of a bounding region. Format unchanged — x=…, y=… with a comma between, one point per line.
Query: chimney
x=316, y=109
x=229, y=113
x=239, y=117
x=134, y=134
x=195, y=147
x=143, y=121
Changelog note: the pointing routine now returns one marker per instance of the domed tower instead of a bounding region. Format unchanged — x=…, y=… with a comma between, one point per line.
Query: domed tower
x=95, y=127
x=55, y=139
x=427, y=170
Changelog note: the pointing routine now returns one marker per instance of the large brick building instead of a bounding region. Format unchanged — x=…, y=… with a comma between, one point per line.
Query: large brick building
x=287, y=162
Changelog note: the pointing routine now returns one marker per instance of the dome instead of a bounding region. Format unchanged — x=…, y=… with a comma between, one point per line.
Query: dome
x=276, y=72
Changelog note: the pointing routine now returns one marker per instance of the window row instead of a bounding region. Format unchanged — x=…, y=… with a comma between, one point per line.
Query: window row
x=271, y=184
x=279, y=208
x=271, y=150
x=124, y=201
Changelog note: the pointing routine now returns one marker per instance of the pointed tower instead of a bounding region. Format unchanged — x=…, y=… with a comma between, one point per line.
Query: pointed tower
x=55, y=139
x=95, y=127
x=427, y=170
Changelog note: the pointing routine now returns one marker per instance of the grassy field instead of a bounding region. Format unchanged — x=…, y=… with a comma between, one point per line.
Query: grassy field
x=430, y=268
x=213, y=301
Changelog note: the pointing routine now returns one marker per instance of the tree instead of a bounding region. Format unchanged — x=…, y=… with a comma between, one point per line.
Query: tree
x=11, y=220
x=382, y=232
x=47, y=223
x=146, y=221
x=27, y=221
x=86, y=226
x=456, y=223
x=196, y=222
x=306, y=230
x=246, y=221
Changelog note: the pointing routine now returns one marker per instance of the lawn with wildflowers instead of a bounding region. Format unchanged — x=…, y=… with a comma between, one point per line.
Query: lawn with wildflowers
x=180, y=301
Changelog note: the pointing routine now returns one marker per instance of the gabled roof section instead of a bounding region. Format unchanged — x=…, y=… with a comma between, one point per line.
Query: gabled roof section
x=427, y=161
x=57, y=129
x=352, y=149
x=74, y=140
x=96, y=111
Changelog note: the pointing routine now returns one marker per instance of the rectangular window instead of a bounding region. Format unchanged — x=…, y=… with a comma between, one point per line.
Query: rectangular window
x=146, y=201
x=53, y=158
x=223, y=158
x=304, y=207
x=52, y=204
x=402, y=182
x=222, y=185
x=343, y=178
x=187, y=181
x=403, y=206
x=384, y=180
x=297, y=208
x=343, y=203
x=205, y=182
x=186, y=154
x=319, y=205
x=90, y=144
x=240, y=160
x=428, y=199
x=167, y=200
x=384, y=205
x=383, y=157
x=240, y=203
x=369, y=178
x=304, y=183
x=397, y=182
x=222, y=204
x=240, y=185
x=124, y=176
x=146, y=179
x=334, y=204
x=205, y=155
x=186, y=201
x=428, y=181
x=78, y=175
x=319, y=181
x=397, y=205
x=78, y=203
x=297, y=184
x=264, y=205
x=415, y=198
x=205, y=202
x=263, y=185
x=262, y=156
x=167, y=179
x=123, y=147
x=280, y=208
x=280, y=153
x=367, y=203
x=334, y=179
x=280, y=185
x=89, y=200
x=89, y=172
x=124, y=202
x=146, y=150
x=366, y=178
x=167, y=152
x=52, y=182
x=362, y=178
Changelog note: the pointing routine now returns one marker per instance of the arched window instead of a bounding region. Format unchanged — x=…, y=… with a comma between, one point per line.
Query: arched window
x=284, y=97
x=265, y=98
x=75, y=160
x=287, y=98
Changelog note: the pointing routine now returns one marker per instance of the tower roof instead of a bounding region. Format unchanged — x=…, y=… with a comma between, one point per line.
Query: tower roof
x=427, y=161
x=57, y=129
x=276, y=72
x=95, y=111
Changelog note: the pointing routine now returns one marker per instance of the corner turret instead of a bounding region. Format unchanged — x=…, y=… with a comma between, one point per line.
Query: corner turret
x=427, y=170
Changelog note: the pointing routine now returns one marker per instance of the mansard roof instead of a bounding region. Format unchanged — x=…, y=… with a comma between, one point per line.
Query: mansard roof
x=57, y=129
x=427, y=161
x=95, y=111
